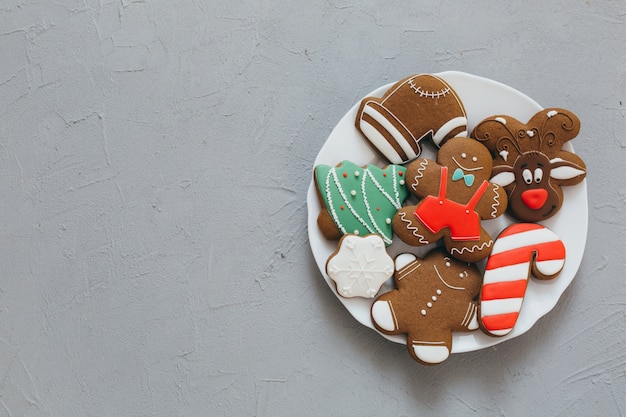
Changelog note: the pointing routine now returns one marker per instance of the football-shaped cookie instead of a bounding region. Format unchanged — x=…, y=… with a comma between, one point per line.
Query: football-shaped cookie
x=417, y=107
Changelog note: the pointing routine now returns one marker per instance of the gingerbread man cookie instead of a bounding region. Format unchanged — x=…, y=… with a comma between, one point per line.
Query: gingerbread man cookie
x=434, y=297
x=455, y=196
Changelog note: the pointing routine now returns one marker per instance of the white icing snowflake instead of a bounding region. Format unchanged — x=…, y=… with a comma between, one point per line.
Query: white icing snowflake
x=360, y=266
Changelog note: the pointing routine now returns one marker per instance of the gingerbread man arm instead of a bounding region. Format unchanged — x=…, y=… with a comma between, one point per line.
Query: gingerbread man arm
x=493, y=203
x=423, y=177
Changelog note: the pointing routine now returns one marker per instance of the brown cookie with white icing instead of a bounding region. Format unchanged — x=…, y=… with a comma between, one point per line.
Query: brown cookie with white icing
x=435, y=296
x=455, y=197
x=418, y=107
x=529, y=161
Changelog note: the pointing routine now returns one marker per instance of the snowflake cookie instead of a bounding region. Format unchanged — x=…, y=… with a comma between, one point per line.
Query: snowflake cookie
x=360, y=266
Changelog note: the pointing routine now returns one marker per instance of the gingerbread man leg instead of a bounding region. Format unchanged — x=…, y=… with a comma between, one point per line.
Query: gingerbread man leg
x=432, y=350
x=470, y=250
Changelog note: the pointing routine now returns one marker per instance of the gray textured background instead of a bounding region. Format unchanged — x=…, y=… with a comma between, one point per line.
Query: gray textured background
x=154, y=163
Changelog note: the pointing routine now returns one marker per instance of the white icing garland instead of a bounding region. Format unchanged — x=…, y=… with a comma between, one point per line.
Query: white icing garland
x=472, y=249
x=419, y=174
x=333, y=172
x=496, y=201
x=421, y=238
x=395, y=202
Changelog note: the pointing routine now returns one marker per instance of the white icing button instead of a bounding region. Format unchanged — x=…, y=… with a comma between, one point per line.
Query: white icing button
x=461, y=275
x=467, y=211
x=434, y=298
x=438, y=292
x=440, y=202
x=429, y=305
x=423, y=312
x=356, y=232
x=388, y=220
x=356, y=173
x=352, y=193
x=401, y=182
x=463, y=155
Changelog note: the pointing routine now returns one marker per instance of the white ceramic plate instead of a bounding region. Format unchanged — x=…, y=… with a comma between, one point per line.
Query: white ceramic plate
x=482, y=98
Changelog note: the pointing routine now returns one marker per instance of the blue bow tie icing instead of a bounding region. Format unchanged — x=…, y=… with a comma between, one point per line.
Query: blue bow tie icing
x=468, y=178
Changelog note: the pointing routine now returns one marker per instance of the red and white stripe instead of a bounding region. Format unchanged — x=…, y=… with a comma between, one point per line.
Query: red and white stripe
x=520, y=249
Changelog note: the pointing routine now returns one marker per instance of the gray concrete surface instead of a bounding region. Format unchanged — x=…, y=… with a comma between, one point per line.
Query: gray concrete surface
x=154, y=163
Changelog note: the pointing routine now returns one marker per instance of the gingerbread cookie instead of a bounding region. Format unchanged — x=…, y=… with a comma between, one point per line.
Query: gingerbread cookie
x=520, y=250
x=359, y=200
x=434, y=297
x=456, y=195
x=360, y=266
x=417, y=107
x=529, y=160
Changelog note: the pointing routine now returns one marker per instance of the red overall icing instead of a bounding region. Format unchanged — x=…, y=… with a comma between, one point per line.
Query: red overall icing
x=439, y=212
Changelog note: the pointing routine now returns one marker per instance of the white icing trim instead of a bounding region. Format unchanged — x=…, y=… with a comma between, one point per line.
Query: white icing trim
x=444, y=282
x=472, y=248
x=331, y=205
x=431, y=354
x=507, y=273
x=565, y=173
x=502, y=332
x=527, y=238
x=384, y=316
x=421, y=238
x=333, y=172
x=500, y=120
x=448, y=127
x=500, y=306
x=496, y=201
x=503, y=179
x=404, y=273
x=470, y=313
x=380, y=142
x=466, y=169
x=395, y=133
x=550, y=268
x=419, y=174
x=403, y=260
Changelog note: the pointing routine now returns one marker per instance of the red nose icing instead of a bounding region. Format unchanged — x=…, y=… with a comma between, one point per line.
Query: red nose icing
x=535, y=199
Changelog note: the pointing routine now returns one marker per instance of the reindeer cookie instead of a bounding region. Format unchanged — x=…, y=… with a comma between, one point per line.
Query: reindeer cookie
x=434, y=297
x=456, y=195
x=529, y=161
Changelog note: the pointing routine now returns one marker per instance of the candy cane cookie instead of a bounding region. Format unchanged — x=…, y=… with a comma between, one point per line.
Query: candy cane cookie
x=520, y=250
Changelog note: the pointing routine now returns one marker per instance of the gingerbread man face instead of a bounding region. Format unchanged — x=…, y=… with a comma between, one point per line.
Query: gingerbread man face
x=434, y=297
x=455, y=197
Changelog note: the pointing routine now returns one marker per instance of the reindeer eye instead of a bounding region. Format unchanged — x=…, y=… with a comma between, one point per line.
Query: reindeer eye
x=538, y=175
x=528, y=176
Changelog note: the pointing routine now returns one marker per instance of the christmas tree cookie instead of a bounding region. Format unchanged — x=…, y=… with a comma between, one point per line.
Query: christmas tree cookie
x=359, y=200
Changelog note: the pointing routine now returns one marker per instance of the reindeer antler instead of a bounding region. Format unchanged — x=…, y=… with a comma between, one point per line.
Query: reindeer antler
x=555, y=127
x=501, y=134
